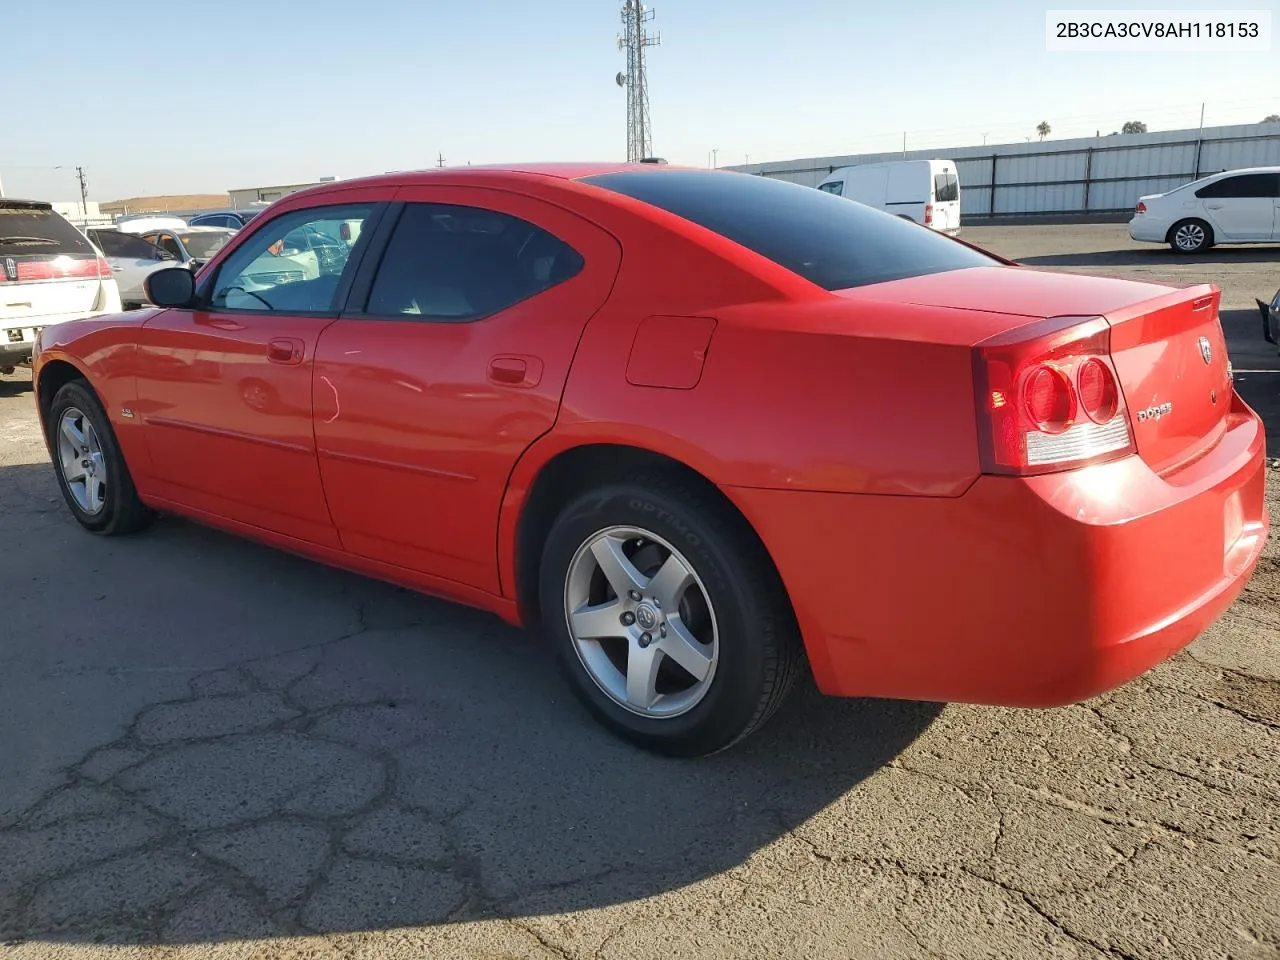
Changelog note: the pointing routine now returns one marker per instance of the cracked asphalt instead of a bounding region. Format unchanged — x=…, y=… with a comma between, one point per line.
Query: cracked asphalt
x=210, y=749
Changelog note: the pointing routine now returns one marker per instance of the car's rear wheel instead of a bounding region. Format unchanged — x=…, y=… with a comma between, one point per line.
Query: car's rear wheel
x=91, y=471
x=1190, y=236
x=667, y=616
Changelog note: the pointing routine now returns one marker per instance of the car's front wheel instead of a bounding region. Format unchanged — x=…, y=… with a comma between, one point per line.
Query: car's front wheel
x=667, y=616
x=1190, y=236
x=91, y=470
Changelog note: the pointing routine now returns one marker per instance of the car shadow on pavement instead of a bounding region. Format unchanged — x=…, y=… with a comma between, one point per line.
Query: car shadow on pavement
x=250, y=745
x=1156, y=256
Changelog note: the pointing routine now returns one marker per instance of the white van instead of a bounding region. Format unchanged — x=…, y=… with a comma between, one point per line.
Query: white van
x=926, y=191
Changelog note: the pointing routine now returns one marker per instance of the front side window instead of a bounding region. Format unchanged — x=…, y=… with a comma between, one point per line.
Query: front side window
x=819, y=237
x=463, y=263
x=835, y=186
x=113, y=243
x=1249, y=185
x=169, y=244
x=283, y=266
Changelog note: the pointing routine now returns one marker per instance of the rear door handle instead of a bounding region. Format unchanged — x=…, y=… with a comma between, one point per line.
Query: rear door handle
x=285, y=350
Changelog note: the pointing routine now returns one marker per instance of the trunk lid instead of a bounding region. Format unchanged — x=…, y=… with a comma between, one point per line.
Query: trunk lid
x=1167, y=342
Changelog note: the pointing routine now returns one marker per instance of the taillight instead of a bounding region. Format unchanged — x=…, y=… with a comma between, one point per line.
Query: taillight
x=60, y=268
x=1142, y=207
x=104, y=268
x=928, y=214
x=1049, y=398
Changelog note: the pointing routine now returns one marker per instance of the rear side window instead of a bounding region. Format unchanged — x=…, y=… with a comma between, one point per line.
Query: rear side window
x=39, y=230
x=835, y=186
x=1245, y=185
x=456, y=263
x=825, y=239
x=946, y=187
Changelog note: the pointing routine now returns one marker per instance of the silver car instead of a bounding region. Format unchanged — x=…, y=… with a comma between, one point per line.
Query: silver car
x=131, y=258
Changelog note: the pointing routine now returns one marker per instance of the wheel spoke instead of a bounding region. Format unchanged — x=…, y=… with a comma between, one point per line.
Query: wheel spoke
x=670, y=582
x=601, y=620
x=642, y=675
x=92, y=492
x=73, y=471
x=73, y=433
x=685, y=649
x=617, y=569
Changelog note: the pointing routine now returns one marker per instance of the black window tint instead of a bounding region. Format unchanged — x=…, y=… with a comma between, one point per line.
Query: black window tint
x=116, y=244
x=1245, y=185
x=825, y=239
x=32, y=229
x=170, y=245
x=946, y=187
x=464, y=263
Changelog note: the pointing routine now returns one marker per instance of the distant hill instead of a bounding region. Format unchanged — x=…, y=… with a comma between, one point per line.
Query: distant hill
x=176, y=203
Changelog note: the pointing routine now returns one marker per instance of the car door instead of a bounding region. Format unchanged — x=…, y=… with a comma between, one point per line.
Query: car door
x=449, y=363
x=132, y=258
x=1242, y=207
x=224, y=387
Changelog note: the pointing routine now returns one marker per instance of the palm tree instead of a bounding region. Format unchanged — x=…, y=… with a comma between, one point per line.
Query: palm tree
x=1043, y=128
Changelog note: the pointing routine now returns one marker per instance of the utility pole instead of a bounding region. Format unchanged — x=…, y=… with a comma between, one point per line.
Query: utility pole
x=634, y=39
x=715, y=151
x=440, y=160
x=84, y=193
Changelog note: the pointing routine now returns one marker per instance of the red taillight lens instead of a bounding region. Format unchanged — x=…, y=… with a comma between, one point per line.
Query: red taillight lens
x=1049, y=398
x=1099, y=393
x=928, y=214
x=1050, y=401
x=59, y=268
x=104, y=268
x=1142, y=207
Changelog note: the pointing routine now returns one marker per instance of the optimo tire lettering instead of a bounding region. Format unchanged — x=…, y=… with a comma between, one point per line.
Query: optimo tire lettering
x=685, y=533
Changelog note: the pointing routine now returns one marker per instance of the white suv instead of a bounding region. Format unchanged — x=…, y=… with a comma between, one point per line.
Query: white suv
x=49, y=272
x=1235, y=206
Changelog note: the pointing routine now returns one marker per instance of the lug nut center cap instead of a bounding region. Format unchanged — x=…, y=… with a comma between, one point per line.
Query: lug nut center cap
x=646, y=617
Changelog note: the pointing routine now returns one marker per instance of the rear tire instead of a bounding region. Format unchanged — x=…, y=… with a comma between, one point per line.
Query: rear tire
x=723, y=649
x=1190, y=236
x=92, y=474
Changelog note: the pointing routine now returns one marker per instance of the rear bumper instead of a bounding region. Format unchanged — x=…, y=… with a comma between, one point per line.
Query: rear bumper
x=1023, y=592
x=1146, y=230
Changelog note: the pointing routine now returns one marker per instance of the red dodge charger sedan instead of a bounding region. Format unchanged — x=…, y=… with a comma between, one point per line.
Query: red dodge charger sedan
x=703, y=427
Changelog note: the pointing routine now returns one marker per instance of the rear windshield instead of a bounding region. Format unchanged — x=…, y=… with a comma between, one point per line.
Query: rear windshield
x=830, y=241
x=36, y=230
x=202, y=246
x=946, y=187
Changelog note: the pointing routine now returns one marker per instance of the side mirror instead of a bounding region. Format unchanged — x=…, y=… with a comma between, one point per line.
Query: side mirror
x=170, y=287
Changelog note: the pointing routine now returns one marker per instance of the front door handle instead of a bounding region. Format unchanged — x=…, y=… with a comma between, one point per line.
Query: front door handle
x=285, y=350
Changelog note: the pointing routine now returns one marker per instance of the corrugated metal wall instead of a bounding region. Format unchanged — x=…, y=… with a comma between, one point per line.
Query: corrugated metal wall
x=1087, y=175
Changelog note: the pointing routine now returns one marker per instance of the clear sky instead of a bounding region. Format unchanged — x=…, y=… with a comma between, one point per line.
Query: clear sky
x=203, y=96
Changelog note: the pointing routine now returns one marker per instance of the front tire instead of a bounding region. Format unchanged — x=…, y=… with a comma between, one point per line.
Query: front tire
x=1190, y=236
x=667, y=616
x=92, y=474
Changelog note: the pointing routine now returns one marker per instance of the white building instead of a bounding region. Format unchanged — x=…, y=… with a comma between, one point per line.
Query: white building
x=248, y=196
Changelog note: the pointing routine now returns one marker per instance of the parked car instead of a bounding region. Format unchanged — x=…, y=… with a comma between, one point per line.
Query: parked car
x=696, y=424
x=131, y=258
x=1271, y=319
x=231, y=219
x=190, y=246
x=1236, y=206
x=49, y=272
x=926, y=191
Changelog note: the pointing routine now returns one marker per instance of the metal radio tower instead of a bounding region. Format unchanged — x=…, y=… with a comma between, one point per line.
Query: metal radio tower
x=634, y=39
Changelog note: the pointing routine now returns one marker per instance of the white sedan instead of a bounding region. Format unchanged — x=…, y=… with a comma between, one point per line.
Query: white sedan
x=1235, y=206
